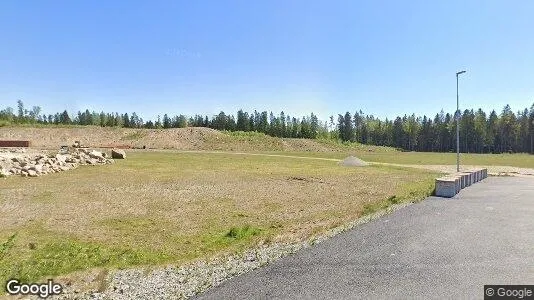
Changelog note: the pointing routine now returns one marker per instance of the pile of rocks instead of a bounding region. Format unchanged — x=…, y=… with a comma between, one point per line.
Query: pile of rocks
x=16, y=150
x=40, y=164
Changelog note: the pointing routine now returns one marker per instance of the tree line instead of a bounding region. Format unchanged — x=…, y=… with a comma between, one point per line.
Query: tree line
x=479, y=132
x=281, y=125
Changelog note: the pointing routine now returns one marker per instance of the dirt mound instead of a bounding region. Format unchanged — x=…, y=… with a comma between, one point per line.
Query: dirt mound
x=352, y=161
x=95, y=137
x=305, y=145
x=191, y=138
x=176, y=138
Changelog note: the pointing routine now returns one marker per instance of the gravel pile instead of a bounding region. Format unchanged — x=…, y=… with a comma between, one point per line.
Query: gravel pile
x=352, y=161
x=182, y=282
x=17, y=162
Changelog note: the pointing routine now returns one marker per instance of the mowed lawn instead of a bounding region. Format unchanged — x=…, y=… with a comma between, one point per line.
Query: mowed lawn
x=164, y=207
x=520, y=160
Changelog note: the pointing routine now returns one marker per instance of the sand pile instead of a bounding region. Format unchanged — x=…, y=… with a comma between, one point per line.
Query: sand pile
x=352, y=161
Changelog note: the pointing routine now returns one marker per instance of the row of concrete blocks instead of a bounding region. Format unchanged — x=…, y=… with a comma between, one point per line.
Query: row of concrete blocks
x=450, y=185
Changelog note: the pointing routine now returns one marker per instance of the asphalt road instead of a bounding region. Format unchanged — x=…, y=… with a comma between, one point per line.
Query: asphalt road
x=439, y=248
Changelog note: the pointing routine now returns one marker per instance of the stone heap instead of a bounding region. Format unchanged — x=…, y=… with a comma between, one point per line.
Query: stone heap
x=42, y=164
x=15, y=150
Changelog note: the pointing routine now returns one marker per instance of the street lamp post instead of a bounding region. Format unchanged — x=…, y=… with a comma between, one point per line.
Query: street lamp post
x=458, y=124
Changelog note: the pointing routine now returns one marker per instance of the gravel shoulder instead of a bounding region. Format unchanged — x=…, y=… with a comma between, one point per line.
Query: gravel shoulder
x=185, y=281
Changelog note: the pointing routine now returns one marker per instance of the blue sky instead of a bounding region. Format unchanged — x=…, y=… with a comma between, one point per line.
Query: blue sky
x=386, y=58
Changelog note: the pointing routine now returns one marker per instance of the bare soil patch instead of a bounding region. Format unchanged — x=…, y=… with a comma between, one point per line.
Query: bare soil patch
x=94, y=137
x=191, y=138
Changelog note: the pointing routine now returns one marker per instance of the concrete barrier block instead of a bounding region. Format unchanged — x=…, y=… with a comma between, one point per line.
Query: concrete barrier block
x=478, y=175
x=447, y=186
x=463, y=179
x=475, y=175
x=459, y=182
x=468, y=177
x=459, y=178
x=452, y=184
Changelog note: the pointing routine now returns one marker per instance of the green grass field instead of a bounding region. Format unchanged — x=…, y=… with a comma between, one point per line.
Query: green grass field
x=426, y=158
x=164, y=207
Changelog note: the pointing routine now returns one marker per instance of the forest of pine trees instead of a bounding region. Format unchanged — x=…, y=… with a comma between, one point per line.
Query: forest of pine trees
x=496, y=132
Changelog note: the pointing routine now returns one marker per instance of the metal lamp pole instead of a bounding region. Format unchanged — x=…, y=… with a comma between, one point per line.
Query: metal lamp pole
x=458, y=124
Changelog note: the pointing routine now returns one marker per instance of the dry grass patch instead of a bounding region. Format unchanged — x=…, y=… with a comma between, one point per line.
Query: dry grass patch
x=161, y=207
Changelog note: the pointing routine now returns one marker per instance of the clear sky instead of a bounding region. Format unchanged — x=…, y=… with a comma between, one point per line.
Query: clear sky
x=386, y=58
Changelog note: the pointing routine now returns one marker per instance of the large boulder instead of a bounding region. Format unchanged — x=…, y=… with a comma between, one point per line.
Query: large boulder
x=61, y=157
x=118, y=154
x=4, y=168
x=96, y=154
x=36, y=168
x=84, y=150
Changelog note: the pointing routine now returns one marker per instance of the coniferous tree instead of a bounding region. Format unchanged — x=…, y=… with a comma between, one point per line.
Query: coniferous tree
x=531, y=129
x=345, y=127
x=166, y=121
x=241, y=121
x=64, y=118
x=125, y=120
x=20, y=106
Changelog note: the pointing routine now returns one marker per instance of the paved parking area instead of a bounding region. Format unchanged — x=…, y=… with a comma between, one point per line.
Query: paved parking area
x=439, y=248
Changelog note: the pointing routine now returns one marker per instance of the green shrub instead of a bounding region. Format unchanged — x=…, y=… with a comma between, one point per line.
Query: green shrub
x=242, y=232
x=5, y=246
